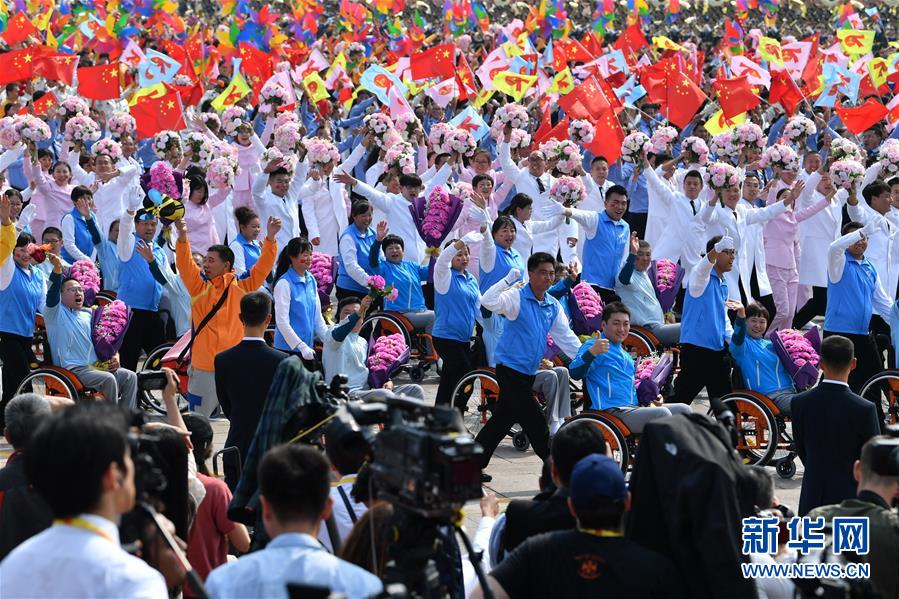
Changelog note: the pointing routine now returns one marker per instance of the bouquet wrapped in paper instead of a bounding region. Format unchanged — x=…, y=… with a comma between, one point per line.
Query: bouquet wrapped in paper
x=696, y=150
x=846, y=172
x=324, y=269
x=552, y=350
x=799, y=353
x=649, y=376
x=108, y=326
x=164, y=180
x=633, y=147
x=85, y=272
x=436, y=215
x=386, y=355
x=378, y=288
x=585, y=309
x=666, y=277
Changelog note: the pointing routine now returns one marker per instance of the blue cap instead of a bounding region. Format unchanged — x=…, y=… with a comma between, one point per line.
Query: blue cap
x=596, y=477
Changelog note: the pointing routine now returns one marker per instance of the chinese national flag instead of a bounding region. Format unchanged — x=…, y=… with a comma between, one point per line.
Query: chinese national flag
x=631, y=40
x=158, y=112
x=256, y=65
x=735, y=96
x=573, y=50
x=608, y=138
x=99, y=83
x=465, y=80
x=592, y=45
x=587, y=101
x=43, y=104
x=17, y=65
x=433, y=62
x=56, y=67
x=783, y=89
x=861, y=117
x=19, y=28
x=654, y=80
x=684, y=99
x=545, y=127
x=559, y=132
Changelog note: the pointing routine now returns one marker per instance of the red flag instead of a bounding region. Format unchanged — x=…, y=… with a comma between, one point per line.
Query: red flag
x=43, y=104
x=684, y=98
x=433, y=62
x=559, y=132
x=465, y=79
x=18, y=28
x=811, y=71
x=608, y=138
x=256, y=66
x=784, y=90
x=545, y=127
x=631, y=40
x=156, y=113
x=590, y=95
x=654, y=80
x=735, y=96
x=100, y=83
x=861, y=117
x=573, y=50
x=57, y=67
x=591, y=44
x=17, y=65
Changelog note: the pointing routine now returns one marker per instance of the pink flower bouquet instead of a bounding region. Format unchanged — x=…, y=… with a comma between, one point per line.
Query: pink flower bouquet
x=108, y=147
x=220, y=173
x=842, y=149
x=798, y=352
x=650, y=375
x=549, y=148
x=581, y=131
x=401, y=157
x=80, y=129
x=462, y=142
x=9, y=132
x=508, y=114
x=201, y=148
x=724, y=145
x=71, y=107
x=696, y=150
x=85, y=272
x=32, y=131
x=386, y=355
x=286, y=117
x=633, y=147
x=165, y=141
x=378, y=287
x=569, y=157
x=780, y=156
x=666, y=277
x=846, y=172
x=750, y=134
x=798, y=128
x=519, y=138
x=440, y=137
x=585, y=307
x=722, y=175
x=272, y=96
x=568, y=191
x=233, y=118
x=661, y=139
x=108, y=326
x=119, y=123
x=324, y=269
x=407, y=124
x=321, y=151
x=163, y=179
x=289, y=162
x=436, y=215
x=288, y=138
x=888, y=155
x=378, y=123
x=552, y=350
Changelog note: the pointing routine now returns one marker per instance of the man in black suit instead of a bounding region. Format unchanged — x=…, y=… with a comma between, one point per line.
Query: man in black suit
x=526, y=518
x=830, y=426
x=243, y=375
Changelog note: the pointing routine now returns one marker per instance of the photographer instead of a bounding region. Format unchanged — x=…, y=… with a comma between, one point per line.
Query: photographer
x=877, y=486
x=293, y=486
x=80, y=462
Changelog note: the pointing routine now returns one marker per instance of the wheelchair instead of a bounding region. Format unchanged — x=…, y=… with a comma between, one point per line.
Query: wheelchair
x=151, y=401
x=621, y=441
x=423, y=354
x=886, y=385
x=55, y=381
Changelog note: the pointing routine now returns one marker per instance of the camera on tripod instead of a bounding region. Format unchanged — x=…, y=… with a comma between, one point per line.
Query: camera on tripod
x=886, y=453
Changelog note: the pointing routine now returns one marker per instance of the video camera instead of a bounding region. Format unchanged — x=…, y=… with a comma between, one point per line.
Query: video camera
x=885, y=460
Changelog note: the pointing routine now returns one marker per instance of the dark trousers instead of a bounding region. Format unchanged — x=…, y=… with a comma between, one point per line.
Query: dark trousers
x=16, y=356
x=701, y=367
x=458, y=360
x=515, y=404
x=145, y=333
x=637, y=222
x=869, y=361
x=815, y=306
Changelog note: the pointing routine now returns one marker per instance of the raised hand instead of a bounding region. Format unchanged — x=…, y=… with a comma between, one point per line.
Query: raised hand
x=146, y=252
x=5, y=211
x=345, y=178
x=83, y=207
x=382, y=230
x=273, y=227
x=634, y=243
x=600, y=346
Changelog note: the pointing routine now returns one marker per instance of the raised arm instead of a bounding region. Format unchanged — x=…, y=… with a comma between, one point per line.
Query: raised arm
x=503, y=297
x=836, y=253
x=505, y=159
x=187, y=268
x=267, y=257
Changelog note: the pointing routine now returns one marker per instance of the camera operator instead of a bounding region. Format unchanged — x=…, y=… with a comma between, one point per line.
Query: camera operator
x=80, y=462
x=347, y=450
x=293, y=487
x=877, y=486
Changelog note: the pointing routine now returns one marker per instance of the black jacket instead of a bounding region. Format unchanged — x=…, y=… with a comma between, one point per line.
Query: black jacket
x=830, y=425
x=527, y=518
x=23, y=512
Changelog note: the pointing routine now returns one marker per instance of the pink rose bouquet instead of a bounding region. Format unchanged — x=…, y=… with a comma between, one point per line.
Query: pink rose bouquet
x=289, y=162
x=780, y=156
x=401, y=157
x=846, y=172
x=568, y=191
x=798, y=352
x=162, y=179
x=108, y=147
x=108, y=326
x=519, y=138
x=288, y=138
x=407, y=124
x=120, y=122
x=233, y=118
x=722, y=175
x=321, y=151
x=85, y=272
x=80, y=129
x=661, y=139
x=440, y=138
x=165, y=141
x=585, y=307
x=798, y=128
x=324, y=269
x=650, y=374
x=462, y=142
x=750, y=134
x=581, y=131
x=378, y=123
x=549, y=148
x=436, y=215
x=633, y=146
x=378, y=287
x=888, y=155
x=200, y=147
x=71, y=107
x=696, y=150
x=842, y=149
x=569, y=157
x=286, y=117
x=32, y=130
x=272, y=96
x=386, y=355
x=9, y=132
x=724, y=145
x=666, y=277
x=508, y=114
x=220, y=173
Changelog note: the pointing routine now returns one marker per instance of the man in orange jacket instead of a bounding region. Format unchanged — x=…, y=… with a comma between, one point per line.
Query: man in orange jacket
x=206, y=289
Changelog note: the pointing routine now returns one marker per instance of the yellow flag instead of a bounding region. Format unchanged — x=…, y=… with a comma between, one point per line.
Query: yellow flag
x=856, y=43
x=718, y=124
x=563, y=82
x=339, y=61
x=51, y=41
x=154, y=91
x=43, y=21
x=315, y=87
x=232, y=94
x=514, y=84
x=663, y=43
x=879, y=69
x=482, y=97
x=770, y=50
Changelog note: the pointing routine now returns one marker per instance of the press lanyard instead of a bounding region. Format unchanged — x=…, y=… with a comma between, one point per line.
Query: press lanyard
x=85, y=525
x=601, y=532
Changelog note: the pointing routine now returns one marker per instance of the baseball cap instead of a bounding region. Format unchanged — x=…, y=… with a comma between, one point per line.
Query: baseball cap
x=596, y=477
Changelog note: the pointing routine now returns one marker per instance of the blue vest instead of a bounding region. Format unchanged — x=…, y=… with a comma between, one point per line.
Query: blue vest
x=82, y=237
x=761, y=368
x=137, y=287
x=703, y=319
x=251, y=251
x=108, y=257
x=610, y=378
x=20, y=301
x=406, y=277
x=506, y=260
x=523, y=341
x=303, y=293
x=363, y=243
x=602, y=254
x=456, y=309
x=849, y=302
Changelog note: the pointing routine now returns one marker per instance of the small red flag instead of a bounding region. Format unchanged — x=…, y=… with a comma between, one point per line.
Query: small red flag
x=100, y=82
x=17, y=65
x=559, y=132
x=18, y=28
x=631, y=40
x=861, y=117
x=608, y=138
x=465, y=79
x=43, y=104
x=433, y=62
x=735, y=96
x=784, y=90
x=57, y=67
x=154, y=114
x=684, y=98
x=573, y=50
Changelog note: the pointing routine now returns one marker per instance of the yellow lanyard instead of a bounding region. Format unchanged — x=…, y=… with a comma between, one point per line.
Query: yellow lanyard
x=84, y=525
x=601, y=532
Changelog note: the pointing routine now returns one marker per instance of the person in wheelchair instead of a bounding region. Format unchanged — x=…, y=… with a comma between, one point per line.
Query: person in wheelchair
x=638, y=293
x=608, y=371
x=69, y=329
x=406, y=277
x=760, y=367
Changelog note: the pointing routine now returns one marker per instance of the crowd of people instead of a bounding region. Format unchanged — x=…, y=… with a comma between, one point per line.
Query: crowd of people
x=248, y=184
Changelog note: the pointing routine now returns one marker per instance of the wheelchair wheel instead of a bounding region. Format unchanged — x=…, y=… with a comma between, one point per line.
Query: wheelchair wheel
x=104, y=297
x=478, y=392
x=48, y=382
x=416, y=373
x=786, y=468
x=639, y=344
x=613, y=436
x=152, y=401
x=520, y=441
x=382, y=323
x=756, y=427
x=883, y=387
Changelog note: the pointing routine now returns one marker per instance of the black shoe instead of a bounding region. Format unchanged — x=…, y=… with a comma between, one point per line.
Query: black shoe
x=486, y=478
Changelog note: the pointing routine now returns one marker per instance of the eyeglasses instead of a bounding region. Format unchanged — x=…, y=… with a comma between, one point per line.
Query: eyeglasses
x=52, y=240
